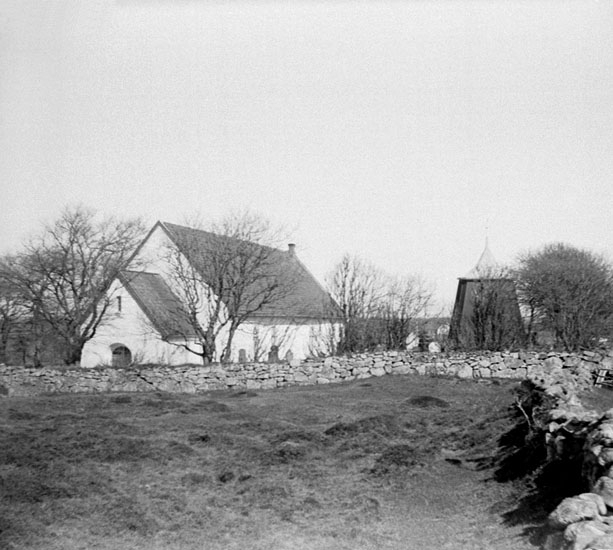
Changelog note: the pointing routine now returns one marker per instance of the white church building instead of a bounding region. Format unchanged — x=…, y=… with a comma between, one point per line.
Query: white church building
x=141, y=325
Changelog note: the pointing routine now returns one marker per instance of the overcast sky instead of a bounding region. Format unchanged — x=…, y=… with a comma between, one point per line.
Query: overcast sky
x=395, y=130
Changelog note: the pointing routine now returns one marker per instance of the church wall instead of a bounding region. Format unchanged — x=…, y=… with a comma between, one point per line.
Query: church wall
x=130, y=327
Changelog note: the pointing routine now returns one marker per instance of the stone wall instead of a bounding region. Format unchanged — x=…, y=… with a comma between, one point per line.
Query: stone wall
x=584, y=521
x=196, y=379
x=579, y=436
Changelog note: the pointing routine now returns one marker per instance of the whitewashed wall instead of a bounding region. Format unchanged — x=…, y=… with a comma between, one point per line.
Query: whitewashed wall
x=130, y=328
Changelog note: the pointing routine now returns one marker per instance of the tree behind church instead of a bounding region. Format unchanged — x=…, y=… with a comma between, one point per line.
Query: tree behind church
x=568, y=292
x=63, y=273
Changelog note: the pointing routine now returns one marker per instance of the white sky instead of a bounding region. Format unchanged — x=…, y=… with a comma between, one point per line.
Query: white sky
x=396, y=130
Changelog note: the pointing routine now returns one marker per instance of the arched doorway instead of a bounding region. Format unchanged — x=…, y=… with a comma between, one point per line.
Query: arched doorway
x=122, y=356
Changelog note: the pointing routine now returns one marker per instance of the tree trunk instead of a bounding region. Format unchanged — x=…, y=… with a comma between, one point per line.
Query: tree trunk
x=227, y=352
x=74, y=348
x=4, y=340
x=208, y=347
x=73, y=354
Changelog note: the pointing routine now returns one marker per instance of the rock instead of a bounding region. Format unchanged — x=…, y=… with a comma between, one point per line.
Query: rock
x=597, y=499
x=485, y=372
x=556, y=390
x=553, y=363
x=513, y=362
x=521, y=373
x=578, y=536
x=605, y=542
x=572, y=510
x=402, y=369
x=321, y=380
x=421, y=369
x=465, y=372
x=434, y=347
x=377, y=371
x=572, y=361
x=604, y=488
x=328, y=373
x=605, y=457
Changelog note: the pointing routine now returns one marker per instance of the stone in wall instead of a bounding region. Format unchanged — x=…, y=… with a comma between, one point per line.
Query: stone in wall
x=586, y=506
x=465, y=371
x=578, y=536
x=604, y=488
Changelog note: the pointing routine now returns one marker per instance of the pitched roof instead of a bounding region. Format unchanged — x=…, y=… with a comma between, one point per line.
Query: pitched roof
x=301, y=296
x=486, y=267
x=158, y=302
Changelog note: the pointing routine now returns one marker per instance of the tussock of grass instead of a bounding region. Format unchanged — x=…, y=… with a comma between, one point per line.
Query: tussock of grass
x=426, y=402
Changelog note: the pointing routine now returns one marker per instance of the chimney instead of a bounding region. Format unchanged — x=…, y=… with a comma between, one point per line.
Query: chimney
x=291, y=249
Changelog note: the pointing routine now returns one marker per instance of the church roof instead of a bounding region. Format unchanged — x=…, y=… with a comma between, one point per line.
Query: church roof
x=158, y=302
x=307, y=298
x=487, y=266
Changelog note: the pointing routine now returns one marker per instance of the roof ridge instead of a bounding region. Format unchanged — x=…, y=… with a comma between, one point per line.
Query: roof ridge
x=309, y=297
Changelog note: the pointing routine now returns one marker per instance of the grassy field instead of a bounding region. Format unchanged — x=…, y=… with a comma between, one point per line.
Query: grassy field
x=389, y=463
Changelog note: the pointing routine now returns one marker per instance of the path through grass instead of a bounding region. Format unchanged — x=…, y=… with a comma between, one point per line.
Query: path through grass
x=390, y=463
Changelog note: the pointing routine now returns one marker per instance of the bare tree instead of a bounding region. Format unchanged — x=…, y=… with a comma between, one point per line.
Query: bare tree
x=569, y=292
x=13, y=308
x=65, y=272
x=226, y=275
x=377, y=309
x=405, y=299
x=357, y=286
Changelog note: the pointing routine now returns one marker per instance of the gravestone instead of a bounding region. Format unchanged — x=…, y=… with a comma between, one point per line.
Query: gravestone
x=273, y=354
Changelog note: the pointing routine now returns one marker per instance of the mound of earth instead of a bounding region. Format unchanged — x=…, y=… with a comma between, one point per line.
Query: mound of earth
x=426, y=402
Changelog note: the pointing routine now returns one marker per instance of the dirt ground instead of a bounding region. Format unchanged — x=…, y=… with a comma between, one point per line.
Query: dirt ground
x=403, y=462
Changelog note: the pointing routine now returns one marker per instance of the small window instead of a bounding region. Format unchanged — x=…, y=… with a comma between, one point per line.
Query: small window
x=119, y=304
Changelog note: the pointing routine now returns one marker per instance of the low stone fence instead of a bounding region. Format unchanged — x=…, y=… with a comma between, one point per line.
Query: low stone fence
x=584, y=521
x=195, y=379
x=583, y=438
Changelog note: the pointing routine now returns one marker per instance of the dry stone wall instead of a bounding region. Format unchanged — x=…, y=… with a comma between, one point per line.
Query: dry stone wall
x=195, y=379
x=578, y=435
x=584, y=521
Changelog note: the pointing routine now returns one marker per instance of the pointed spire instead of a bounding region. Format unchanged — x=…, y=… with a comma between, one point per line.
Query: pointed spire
x=486, y=266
